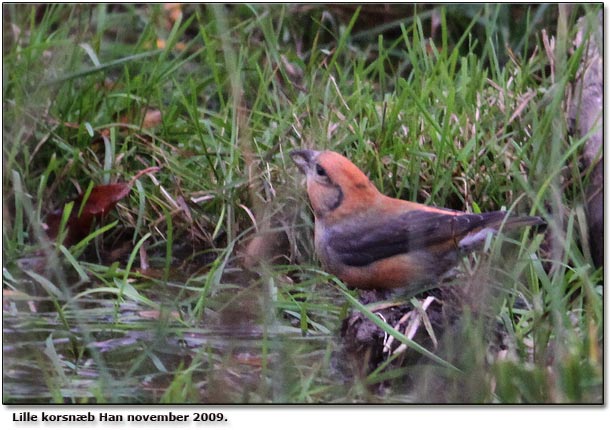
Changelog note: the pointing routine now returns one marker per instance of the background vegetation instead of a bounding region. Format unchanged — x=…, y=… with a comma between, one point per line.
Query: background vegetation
x=460, y=106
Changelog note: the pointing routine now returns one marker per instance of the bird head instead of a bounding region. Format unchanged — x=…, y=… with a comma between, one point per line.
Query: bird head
x=334, y=184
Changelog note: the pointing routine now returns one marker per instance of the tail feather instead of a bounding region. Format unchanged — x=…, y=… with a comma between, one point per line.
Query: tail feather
x=523, y=221
x=477, y=237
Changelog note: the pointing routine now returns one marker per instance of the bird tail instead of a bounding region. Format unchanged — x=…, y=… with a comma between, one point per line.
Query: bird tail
x=497, y=221
x=523, y=221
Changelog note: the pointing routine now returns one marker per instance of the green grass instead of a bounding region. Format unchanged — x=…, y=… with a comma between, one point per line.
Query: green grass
x=472, y=119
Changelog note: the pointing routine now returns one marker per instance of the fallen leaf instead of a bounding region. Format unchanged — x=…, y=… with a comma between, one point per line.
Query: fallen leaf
x=155, y=314
x=101, y=200
x=152, y=118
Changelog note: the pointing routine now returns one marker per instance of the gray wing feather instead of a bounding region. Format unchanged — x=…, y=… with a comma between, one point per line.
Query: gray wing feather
x=360, y=245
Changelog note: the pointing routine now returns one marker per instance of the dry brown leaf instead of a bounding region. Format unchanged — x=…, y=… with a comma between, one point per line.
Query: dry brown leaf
x=101, y=200
x=152, y=118
x=154, y=314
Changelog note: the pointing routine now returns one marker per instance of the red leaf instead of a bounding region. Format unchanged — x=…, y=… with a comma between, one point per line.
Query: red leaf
x=101, y=200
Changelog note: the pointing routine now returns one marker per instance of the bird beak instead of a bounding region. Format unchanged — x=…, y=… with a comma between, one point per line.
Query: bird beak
x=303, y=158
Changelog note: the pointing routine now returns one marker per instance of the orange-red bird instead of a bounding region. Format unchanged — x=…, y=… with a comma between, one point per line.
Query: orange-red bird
x=369, y=240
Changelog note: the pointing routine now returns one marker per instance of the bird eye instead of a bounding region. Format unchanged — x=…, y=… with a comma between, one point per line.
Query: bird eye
x=320, y=170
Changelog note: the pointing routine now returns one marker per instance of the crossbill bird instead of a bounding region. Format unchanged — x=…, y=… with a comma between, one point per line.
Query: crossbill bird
x=372, y=241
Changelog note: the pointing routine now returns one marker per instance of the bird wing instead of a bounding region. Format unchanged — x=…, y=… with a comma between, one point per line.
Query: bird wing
x=361, y=243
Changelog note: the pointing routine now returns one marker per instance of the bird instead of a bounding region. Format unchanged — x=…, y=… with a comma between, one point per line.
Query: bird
x=374, y=242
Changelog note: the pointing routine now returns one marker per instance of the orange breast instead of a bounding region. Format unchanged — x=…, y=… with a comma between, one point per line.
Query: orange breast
x=395, y=272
